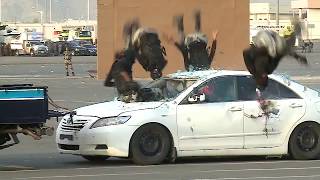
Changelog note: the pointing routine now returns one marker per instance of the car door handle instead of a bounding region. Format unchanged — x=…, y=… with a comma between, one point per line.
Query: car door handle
x=234, y=109
x=295, y=105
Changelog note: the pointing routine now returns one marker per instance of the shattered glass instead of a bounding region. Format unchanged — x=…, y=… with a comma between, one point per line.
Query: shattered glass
x=165, y=89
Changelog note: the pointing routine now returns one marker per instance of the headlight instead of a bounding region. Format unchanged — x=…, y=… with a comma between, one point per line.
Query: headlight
x=76, y=49
x=108, y=121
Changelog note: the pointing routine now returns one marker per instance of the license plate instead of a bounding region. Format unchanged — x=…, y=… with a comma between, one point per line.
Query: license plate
x=65, y=136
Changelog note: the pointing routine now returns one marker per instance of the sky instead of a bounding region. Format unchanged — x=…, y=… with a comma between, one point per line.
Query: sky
x=283, y=4
x=26, y=10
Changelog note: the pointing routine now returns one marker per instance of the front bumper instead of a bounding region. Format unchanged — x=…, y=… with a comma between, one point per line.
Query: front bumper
x=41, y=53
x=94, y=141
x=80, y=53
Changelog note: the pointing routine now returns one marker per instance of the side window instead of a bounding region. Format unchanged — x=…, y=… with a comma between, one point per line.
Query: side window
x=286, y=93
x=220, y=89
x=246, y=86
x=274, y=90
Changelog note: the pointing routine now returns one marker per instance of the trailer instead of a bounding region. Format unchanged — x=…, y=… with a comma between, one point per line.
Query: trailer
x=24, y=109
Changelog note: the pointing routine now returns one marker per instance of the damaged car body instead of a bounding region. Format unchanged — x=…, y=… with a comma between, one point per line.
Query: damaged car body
x=202, y=113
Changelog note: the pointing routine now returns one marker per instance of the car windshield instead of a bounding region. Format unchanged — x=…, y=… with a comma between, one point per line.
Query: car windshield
x=165, y=89
x=84, y=34
x=74, y=44
x=36, y=43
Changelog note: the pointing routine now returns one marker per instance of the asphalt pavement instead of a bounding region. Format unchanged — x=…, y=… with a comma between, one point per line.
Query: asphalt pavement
x=40, y=159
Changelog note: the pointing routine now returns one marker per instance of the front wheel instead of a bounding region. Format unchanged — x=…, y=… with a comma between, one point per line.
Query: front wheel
x=304, y=142
x=32, y=53
x=16, y=53
x=150, y=144
x=95, y=158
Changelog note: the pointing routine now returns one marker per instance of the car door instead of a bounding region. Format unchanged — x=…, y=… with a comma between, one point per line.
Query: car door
x=262, y=131
x=217, y=122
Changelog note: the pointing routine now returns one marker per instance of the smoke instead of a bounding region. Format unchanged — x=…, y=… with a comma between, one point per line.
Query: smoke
x=26, y=10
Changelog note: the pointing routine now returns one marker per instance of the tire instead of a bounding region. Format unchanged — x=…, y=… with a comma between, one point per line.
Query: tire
x=95, y=158
x=150, y=144
x=31, y=53
x=304, y=143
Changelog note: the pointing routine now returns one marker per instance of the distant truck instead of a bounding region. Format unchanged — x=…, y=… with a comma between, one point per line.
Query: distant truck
x=29, y=43
x=60, y=35
x=80, y=35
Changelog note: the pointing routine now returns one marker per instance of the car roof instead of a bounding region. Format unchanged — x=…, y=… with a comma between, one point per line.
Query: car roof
x=204, y=74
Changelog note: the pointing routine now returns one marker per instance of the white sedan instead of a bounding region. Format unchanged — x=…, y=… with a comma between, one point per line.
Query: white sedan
x=204, y=113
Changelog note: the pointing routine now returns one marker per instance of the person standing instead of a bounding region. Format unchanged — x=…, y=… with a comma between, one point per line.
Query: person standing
x=67, y=61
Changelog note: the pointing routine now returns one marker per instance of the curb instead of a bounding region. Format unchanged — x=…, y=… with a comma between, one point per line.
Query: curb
x=16, y=168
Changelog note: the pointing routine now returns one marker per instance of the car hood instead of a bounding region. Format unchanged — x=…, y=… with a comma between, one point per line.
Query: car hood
x=114, y=108
x=39, y=46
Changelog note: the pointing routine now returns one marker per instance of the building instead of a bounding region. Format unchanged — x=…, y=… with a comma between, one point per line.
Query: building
x=263, y=15
x=268, y=11
x=48, y=28
x=309, y=12
x=230, y=17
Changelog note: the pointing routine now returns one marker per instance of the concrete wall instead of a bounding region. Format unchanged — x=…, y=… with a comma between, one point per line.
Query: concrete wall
x=230, y=17
x=313, y=23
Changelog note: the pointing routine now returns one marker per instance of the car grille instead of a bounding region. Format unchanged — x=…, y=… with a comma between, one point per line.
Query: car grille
x=42, y=49
x=68, y=147
x=76, y=125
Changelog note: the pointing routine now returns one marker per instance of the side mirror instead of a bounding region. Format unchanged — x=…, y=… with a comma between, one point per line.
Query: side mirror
x=197, y=98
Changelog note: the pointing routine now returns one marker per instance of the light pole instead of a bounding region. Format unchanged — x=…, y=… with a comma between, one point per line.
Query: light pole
x=88, y=11
x=41, y=20
x=277, y=15
x=41, y=16
x=50, y=11
x=0, y=11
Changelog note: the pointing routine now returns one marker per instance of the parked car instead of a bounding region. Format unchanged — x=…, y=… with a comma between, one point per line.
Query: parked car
x=38, y=49
x=77, y=50
x=29, y=47
x=91, y=49
x=205, y=113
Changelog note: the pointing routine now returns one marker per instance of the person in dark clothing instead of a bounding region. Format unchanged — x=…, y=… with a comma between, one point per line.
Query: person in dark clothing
x=121, y=73
x=142, y=44
x=193, y=47
x=268, y=49
x=146, y=44
x=149, y=52
x=121, y=69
